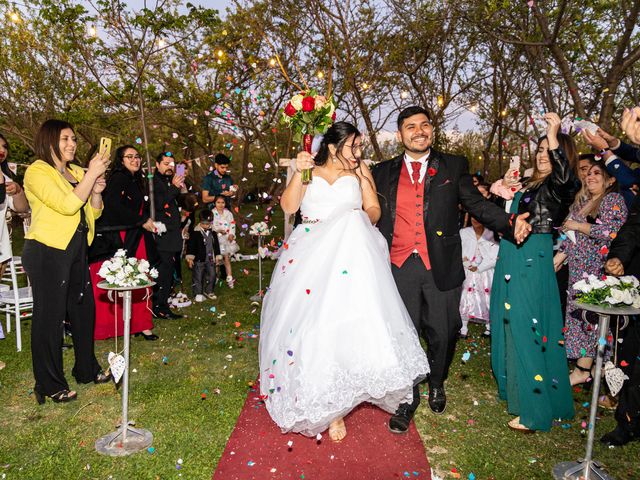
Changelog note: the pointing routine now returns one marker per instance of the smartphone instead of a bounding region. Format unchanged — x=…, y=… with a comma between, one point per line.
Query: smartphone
x=181, y=168
x=514, y=163
x=105, y=146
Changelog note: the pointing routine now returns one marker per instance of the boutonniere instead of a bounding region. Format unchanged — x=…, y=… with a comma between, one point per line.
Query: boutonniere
x=431, y=171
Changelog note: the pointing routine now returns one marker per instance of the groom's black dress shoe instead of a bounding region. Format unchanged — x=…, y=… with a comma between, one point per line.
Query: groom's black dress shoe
x=399, y=422
x=437, y=399
x=618, y=437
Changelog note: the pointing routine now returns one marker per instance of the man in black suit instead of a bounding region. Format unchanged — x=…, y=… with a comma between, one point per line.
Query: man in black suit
x=166, y=187
x=419, y=193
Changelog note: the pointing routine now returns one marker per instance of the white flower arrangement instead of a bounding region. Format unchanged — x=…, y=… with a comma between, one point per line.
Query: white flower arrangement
x=260, y=228
x=609, y=291
x=121, y=271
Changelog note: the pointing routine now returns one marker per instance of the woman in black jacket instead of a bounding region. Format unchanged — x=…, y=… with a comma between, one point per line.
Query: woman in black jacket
x=528, y=360
x=125, y=223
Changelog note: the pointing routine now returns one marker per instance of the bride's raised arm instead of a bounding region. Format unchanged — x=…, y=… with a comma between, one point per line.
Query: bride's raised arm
x=370, y=202
x=292, y=195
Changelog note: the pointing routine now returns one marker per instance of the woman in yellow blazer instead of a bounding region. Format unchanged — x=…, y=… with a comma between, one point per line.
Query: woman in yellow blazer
x=65, y=203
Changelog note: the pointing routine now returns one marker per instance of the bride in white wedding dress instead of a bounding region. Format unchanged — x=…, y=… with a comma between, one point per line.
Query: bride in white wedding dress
x=334, y=330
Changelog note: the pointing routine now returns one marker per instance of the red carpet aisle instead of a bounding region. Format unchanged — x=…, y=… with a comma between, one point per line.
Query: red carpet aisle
x=258, y=450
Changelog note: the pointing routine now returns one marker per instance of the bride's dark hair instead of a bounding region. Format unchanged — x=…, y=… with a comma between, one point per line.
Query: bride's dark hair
x=337, y=135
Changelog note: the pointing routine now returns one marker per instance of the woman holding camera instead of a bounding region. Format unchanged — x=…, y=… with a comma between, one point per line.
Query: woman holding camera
x=65, y=203
x=125, y=223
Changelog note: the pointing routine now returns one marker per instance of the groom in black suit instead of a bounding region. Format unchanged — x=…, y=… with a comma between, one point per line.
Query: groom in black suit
x=419, y=193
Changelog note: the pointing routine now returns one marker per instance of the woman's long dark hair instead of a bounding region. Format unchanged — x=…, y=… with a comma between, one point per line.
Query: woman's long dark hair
x=568, y=145
x=4, y=166
x=118, y=166
x=337, y=135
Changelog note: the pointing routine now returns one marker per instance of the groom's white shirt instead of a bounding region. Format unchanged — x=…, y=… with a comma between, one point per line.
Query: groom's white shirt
x=424, y=160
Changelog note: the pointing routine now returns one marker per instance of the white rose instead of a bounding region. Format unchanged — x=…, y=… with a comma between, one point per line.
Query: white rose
x=132, y=260
x=332, y=109
x=121, y=252
x=582, y=286
x=616, y=296
x=612, y=281
x=110, y=279
x=153, y=273
x=627, y=297
x=630, y=279
x=612, y=301
x=296, y=101
x=120, y=276
x=321, y=101
x=597, y=284
x=128, y=269
x=143, y=266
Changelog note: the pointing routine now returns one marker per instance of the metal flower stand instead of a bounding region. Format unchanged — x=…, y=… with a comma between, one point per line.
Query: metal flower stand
x=587, y=468
x=126, y=439
x=258, y=296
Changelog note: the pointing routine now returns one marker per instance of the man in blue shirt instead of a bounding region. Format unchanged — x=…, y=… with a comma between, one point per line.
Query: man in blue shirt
x=218, y=182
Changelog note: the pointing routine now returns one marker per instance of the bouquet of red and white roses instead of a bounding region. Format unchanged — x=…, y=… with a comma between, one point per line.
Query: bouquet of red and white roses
x=309, y=114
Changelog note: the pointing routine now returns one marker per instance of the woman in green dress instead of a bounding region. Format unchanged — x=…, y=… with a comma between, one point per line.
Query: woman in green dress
x=527, y=349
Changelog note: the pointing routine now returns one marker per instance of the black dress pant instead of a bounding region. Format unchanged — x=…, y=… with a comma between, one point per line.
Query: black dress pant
x=628, y=411
x=435, y=315
x=162, y=289
x=61, y=289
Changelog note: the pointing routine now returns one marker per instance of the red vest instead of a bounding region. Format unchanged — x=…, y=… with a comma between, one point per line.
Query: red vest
x=408, y=230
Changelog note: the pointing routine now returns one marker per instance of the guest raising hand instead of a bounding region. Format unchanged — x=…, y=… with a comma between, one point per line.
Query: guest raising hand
x=526, y=321
x=65, y=203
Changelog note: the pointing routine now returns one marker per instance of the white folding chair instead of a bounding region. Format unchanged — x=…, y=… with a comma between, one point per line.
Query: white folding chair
x=15, y=300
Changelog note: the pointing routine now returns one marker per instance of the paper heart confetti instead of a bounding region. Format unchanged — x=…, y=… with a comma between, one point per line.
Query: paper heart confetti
x=507, y=277
x=615, y=377
x=117, y=365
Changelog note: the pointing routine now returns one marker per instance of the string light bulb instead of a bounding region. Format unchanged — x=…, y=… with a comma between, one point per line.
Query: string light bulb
x=272, y=62
x=320, y=74
x=404, y=95
x=161, y=43
x=220, y=53
x=474, y=108
x=440, y=100
x=503, y=113
x=93, y=32
x=15, y=18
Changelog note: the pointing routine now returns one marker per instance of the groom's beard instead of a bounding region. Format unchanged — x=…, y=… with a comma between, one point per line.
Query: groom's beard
x=417, y=147
x=411, y=149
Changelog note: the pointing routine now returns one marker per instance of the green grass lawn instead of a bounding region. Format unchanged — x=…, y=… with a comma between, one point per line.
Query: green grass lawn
x=204, y=354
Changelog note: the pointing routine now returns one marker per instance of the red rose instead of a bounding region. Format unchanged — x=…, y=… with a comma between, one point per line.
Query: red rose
x=290, y=110
x=432, y=171
x=308, y=104
x=333, y=117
